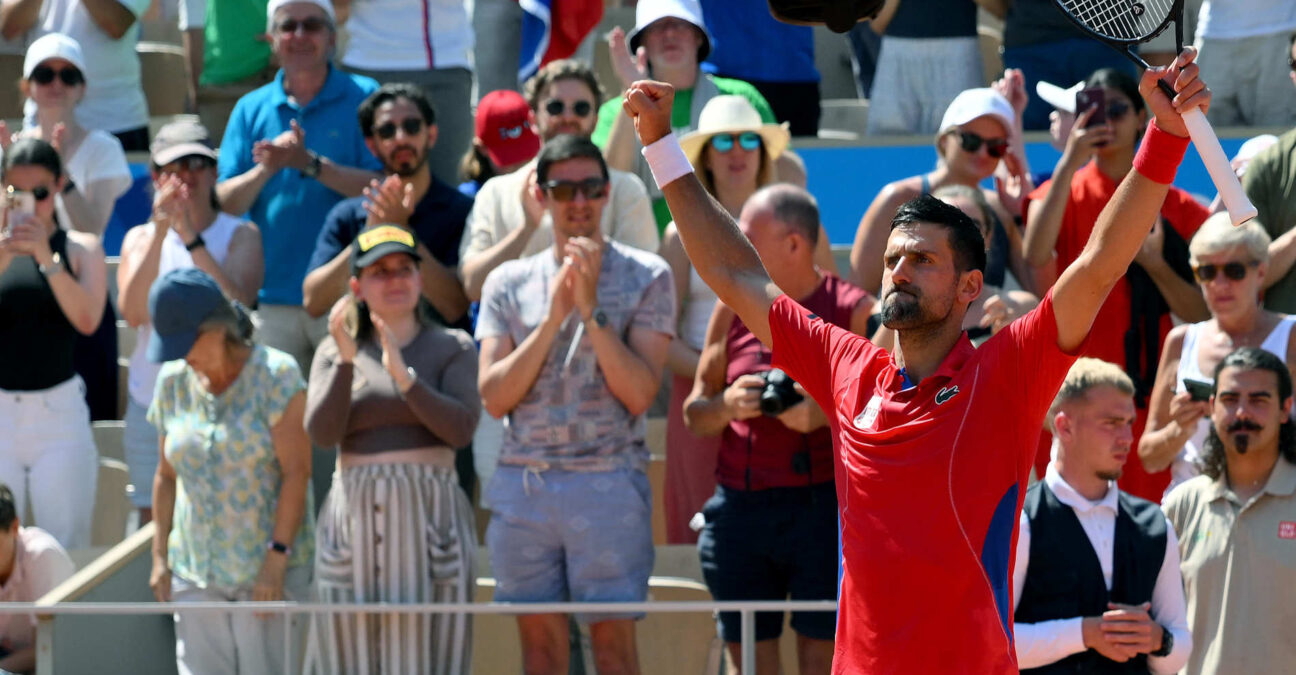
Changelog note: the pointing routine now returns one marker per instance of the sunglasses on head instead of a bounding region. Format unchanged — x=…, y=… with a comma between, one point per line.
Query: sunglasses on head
x=45, y=75
x=747, y=140
x=410, y=125
x=580, y=108
x=190, y=163
x=1235, y=271
x=565, y=190
x=309, y=25
x=995, y=147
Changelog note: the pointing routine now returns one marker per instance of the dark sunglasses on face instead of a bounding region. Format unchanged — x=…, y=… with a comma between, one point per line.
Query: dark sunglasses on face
x=1235, y=271
x=565, y=190
x=995, y=147
x=191, y=163
x=45, y=75
x=40, y=193
x=309, y=25
x=580, y=108
x=410, y=125
x=1117, y=109
x=747, y=140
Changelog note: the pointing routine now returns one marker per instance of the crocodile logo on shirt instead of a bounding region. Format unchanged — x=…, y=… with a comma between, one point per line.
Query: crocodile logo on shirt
x=946, y=393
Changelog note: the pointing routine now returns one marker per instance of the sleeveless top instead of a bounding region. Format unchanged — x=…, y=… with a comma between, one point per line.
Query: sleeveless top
x=696, y=312
x=216, y=239
x=35, y=335
x=1185, y=465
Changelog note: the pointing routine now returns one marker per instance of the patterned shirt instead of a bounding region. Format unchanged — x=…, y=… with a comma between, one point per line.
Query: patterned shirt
x=570, y=419
x=228, y=476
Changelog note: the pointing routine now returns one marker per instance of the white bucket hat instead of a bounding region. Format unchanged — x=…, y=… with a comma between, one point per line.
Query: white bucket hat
x=649, y=11
x=1062, y=99
x=734, y=115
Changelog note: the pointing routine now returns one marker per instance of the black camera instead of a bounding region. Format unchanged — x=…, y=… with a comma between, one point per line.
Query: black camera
x=838, y=15
x=779, y=393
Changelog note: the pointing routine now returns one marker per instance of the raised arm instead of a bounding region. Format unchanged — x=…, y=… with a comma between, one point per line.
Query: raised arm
x=1128, y=217
x=17, y=16
x=721, y=254
x=1044, y=217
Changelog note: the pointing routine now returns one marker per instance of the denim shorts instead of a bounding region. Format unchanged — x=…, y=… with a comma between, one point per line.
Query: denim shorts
x=140, y=443
x=772, y=544
x=557, y=535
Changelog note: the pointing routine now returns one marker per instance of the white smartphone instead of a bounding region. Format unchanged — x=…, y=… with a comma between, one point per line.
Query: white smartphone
x=19, y=207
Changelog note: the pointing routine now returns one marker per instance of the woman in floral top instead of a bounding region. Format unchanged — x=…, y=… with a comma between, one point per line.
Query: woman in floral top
x=231, y=500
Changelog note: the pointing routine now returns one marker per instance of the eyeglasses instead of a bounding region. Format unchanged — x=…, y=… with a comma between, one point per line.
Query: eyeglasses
x=747, y=140
x=410, y=125
x=309, y=25
x=1235, y=271
x=556, y=107
x=565, y=190
x=45, y=75
x=995, y=147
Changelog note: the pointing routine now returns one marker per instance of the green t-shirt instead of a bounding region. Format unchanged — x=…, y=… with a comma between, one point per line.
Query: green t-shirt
x=232, y=51
x=681, y=111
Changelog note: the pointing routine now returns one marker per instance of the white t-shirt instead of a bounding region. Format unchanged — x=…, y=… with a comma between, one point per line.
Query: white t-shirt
x=114, y=99
x=98, y=158
x=409, y=35
x=1236, y=19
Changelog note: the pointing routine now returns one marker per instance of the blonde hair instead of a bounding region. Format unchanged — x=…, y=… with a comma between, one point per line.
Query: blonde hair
x=1085, y=374
x=1218, y=234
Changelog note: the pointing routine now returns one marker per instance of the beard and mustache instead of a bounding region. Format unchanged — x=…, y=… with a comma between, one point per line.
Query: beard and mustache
x=406, y=169
x=1242, y=441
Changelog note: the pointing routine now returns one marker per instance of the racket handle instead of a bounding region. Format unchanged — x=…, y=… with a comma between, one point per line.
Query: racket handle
x=1217, y=165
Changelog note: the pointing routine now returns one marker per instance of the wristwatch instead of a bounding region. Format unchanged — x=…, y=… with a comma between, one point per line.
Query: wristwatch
x=277, y=547
x=54, y=268
x=599, y=317
x=1167, y=643
x=312, y=169
x=195, y=244
x=413, y=380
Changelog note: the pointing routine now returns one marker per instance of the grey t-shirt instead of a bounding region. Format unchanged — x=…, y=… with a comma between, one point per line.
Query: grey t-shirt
x=570, y=419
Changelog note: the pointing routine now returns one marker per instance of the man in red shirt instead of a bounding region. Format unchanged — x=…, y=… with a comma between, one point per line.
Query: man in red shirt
x=935, y=440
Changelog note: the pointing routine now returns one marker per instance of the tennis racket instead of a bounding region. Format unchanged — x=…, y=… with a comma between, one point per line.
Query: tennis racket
x=1122, y=24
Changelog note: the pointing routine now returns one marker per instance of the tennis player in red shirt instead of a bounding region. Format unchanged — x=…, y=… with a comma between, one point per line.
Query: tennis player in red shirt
x=934, y=440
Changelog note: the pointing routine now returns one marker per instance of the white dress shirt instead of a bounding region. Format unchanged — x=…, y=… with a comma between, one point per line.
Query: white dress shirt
x=1039, y=644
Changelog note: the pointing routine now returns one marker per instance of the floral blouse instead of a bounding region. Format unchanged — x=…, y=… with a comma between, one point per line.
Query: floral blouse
x=228, y=477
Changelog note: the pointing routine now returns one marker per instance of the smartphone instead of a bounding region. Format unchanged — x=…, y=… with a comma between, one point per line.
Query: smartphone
x=1091, y=98
x=1198, y=390
x=19, y=207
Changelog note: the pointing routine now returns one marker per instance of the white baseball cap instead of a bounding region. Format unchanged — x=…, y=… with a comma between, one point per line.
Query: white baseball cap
x=973, y=103
x=325, y=5
x=1062, y=99
x=53, y=46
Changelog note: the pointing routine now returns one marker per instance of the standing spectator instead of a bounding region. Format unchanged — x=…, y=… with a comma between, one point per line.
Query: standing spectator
x=1241, y=42
x=504, y=140
x=1236, y=522
x=669, y=43
x=428, y=43
x=106, y=31
x=497, y=31
x=573, y=343
x=234, y=48
x=291, y=151
x=1135, y=318
x=186, y=229
x=1096, y=582
x=1231, y=265
x=397, y=393
x=923, y=64
x=400, y=128
x=771, y=527
x=191, y=22
x=786, y=77
x=234, y=516
x=1270, y=182
x=31, y=564
x=53, y=287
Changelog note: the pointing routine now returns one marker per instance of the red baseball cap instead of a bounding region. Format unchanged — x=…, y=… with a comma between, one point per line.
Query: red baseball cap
x=504, y=128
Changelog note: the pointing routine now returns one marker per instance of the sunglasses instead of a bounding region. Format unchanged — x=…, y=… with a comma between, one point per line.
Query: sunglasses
x=191, y=163
x=747, y=140
x=1117, y=109
x=995, y=147
x=1235, y=271
x=45, y=75
x=580, y=108
x=40, y=193
x=410, y=125
x=310, y=25
x=565, y=190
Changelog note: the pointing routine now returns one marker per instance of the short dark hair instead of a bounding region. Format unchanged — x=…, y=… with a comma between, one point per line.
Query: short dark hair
x=964, y=235
x=793, y=207
x=562, y=69
x=1214, y=461
x=1114, y=78
x=563, y=147
x=33, y=152
x=390, y=92
x=8, y=509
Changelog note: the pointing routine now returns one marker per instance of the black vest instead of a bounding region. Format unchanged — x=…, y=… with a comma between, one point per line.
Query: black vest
x=1065, y=579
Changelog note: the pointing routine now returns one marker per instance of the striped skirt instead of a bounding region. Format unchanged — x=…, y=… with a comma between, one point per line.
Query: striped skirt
x=398, y=533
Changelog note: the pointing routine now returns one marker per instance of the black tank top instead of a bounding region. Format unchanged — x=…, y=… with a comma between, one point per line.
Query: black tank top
x=36, y=339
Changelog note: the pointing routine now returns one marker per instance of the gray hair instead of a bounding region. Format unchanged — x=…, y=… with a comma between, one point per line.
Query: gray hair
x=234, y=320
x=1218, y=234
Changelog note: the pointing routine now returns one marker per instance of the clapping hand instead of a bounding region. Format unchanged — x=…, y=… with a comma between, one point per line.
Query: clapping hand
x=346, y=345
x=392, y=360
x=287, y=150
x=390, y=201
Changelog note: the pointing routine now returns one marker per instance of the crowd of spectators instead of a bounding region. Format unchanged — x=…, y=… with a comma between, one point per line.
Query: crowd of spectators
x=425, y=310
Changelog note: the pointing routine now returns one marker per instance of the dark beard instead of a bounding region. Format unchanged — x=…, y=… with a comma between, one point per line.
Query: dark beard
x=407, y=170
x=902, y=309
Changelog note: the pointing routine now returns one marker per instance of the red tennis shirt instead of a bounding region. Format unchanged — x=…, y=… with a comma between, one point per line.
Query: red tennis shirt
x=930, y=481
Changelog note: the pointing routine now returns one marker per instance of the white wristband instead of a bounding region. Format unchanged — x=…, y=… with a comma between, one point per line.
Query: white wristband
x=666, y=159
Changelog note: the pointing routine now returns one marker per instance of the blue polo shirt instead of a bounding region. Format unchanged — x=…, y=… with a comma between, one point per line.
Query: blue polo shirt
x=291, y=207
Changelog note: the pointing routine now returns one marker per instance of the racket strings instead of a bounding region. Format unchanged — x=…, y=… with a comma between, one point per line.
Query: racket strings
x=1124, y=20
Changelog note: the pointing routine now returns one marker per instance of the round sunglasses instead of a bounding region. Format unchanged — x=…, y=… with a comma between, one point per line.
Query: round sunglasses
x=556, y=107
x=566, y=190
x=747, y=140
x=410, y=125
x=995, y=147
x=1234, y=271
x=44, y=75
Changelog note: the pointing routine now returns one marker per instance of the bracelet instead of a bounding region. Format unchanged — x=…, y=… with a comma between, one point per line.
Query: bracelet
x=277, y=547
x=666, y=159
x=1159, y=154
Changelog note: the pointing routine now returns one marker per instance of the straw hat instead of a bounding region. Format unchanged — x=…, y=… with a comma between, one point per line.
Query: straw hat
x=734, y=115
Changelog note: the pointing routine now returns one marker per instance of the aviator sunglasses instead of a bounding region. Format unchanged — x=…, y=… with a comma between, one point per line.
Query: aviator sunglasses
x=995, y=147
x=565, y=190
x=580, y=108
x=747, y=140
x=44, y=75
x=1235, y=271
x=410, y=125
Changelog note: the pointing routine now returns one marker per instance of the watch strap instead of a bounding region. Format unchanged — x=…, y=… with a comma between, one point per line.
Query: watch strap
x=1167, y=643
x=195, y=244
x=278, y=547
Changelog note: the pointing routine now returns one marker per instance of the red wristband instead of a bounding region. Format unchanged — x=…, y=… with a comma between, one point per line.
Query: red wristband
x=1159, y=154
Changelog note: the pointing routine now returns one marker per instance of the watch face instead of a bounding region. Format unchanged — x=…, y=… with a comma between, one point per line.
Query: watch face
x=600, y=318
